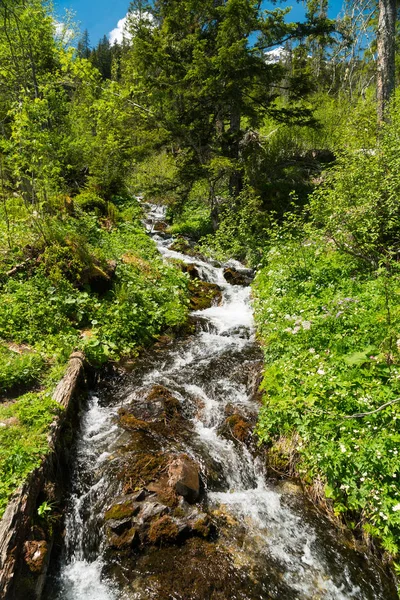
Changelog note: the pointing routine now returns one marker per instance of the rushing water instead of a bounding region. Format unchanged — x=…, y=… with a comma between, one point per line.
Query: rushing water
x=289, y=550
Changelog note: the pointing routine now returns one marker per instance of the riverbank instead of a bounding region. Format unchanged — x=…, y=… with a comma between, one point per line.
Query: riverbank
x=97, y=284
x=331, y=381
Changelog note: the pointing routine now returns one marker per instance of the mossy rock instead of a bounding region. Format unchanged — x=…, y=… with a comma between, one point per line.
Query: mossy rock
x=163, y=531
x=240, y=427
x=172, y=406
x=121, y=510
x=203, y=294
x=141, y=470
x=182, y=246
x=130, y=423
x=235, y=277
x=127, y=539
x=191, y=270
x=202, y=527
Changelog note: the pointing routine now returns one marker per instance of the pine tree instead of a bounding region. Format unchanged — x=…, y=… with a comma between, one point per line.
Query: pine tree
x=83, y=47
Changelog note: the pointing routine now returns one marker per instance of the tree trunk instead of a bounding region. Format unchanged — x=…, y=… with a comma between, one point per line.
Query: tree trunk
x=386, y=55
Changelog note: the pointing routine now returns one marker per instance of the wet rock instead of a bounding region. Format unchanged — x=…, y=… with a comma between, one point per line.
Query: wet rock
x=235, y=277
x=124, y=507
x=163, y=531
x=158, y=404
x=118, y=526
x=165, y=493
x=160, y=226
x=237, y=427
x=161, y=395
x=199, y=523
x=183, y=476
x=203, y=294
x=131, y=423
x=182, y=245
x=127, y=539
x=191, y=270
x=151, y=510
x=35, y=555
x=142, y=469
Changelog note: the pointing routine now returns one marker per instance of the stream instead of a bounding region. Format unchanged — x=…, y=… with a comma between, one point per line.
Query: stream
x=266, y=541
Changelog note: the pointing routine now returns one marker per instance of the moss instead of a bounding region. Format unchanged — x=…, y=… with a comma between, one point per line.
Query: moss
x=142, y=470
x=172, y=406
x=202, y=527
x=163, y=531
x=131, y=423
x=165, y=493
x=203, y=294
x=121, y=510
x=238, y=427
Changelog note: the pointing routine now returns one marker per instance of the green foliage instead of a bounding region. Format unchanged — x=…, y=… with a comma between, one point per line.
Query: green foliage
x=24, y=427
x=241, y=233
x=331, y=351
x=19, y=370
x=327, y=307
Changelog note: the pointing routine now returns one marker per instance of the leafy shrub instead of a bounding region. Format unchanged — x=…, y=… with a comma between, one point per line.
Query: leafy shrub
x=19, y=370
x=91, y=202
x=331, y=334
x=241, y=233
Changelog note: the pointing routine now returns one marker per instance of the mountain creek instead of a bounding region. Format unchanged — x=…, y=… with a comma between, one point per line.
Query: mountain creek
x=170, y=497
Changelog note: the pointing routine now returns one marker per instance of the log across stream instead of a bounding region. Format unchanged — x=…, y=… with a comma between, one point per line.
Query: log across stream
x=169, y=498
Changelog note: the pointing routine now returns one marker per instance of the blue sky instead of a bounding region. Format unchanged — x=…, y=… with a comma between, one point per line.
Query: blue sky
x=102, y=16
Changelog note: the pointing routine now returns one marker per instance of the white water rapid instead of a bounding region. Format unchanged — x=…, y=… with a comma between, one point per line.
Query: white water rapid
x=290, y=551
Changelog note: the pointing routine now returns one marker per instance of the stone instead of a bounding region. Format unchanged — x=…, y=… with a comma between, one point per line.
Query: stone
x=160, y=226
x=118, y=526
x=163, y=530
x=235, y=277
x=124, y=507
x=127, y=539
x=183, y=476
x=203, y=294
x=191, y=270
x=151, y=510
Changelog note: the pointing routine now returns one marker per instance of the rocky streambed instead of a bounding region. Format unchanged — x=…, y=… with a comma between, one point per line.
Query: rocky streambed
x=170, y=498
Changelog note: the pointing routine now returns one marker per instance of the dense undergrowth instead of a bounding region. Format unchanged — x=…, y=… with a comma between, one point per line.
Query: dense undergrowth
x=327, y=301
x=83, y=281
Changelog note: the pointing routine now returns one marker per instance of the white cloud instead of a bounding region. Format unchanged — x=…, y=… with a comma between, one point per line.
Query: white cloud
x=63, y=32
x=120, y=32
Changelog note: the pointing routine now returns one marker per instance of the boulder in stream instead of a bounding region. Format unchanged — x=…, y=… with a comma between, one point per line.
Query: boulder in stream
x=183, y=476
x=203, y=294
x=235, y=277
x=126, y=539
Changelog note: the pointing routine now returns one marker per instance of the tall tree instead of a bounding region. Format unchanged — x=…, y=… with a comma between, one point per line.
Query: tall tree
x=101, y=57
x=386, y=47
x=83, y=47
x=191, y=65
